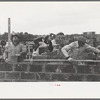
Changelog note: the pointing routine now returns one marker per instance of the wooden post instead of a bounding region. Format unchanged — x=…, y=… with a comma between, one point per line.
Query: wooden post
x=9, y=35
x=29, y=51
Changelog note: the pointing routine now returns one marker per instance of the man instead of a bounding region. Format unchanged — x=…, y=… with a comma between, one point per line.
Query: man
x=16, y=49
x=39, y=46
x=2, y=49
x=53, y=36
x=75, y=49
x=53, y=40
x=47, y=40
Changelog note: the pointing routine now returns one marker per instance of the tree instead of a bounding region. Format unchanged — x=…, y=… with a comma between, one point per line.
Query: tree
x=5, y=36
x=60, y=33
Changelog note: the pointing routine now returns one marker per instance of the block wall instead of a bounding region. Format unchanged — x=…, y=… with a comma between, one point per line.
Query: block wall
x=47, y=71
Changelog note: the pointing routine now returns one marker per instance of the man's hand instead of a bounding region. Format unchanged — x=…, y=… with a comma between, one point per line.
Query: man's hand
x=70, y=59
x=6, y=60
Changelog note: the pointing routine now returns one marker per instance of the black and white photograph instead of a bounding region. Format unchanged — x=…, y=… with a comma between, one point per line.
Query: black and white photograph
x=49, y=42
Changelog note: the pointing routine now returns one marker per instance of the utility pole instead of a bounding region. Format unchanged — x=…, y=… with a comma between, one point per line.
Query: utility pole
x=9, y=35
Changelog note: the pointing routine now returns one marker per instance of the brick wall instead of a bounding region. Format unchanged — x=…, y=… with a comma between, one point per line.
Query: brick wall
x=51, y=70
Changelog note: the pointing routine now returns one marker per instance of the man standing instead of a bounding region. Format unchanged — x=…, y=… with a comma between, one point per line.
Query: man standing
x=75, y=49
x=15, y=51
x=2, y=49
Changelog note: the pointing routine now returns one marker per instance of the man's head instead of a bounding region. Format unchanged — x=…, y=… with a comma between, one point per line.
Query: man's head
x=81, y=41
x=15, y=39
x=52, y=36
x=3, y=43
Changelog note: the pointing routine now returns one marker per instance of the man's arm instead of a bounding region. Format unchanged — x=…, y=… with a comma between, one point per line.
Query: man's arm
x=66, y=48
x=5, y=54
x=95, y=50
x=24, y=49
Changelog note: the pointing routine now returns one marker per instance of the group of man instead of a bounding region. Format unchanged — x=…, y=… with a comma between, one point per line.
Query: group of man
x=70, y=51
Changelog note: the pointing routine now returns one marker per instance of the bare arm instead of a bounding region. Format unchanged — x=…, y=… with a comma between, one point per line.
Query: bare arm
x=92, y=48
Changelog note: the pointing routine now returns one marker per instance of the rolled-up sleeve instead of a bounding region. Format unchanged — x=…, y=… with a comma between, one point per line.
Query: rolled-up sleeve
x=66, y=48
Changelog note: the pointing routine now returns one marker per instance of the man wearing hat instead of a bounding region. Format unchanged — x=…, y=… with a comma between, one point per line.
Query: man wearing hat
x=74, y=49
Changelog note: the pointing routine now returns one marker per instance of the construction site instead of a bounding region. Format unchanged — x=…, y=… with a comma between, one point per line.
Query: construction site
x=53, y=66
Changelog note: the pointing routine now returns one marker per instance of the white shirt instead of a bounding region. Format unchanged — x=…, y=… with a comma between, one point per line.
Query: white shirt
x=36, y=53
x=75, y=51
x=13, y=50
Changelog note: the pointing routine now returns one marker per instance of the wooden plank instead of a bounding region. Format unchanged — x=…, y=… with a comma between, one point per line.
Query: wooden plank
x=59, y=60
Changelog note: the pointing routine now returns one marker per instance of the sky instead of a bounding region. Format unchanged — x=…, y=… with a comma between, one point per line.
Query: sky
x=50, y=17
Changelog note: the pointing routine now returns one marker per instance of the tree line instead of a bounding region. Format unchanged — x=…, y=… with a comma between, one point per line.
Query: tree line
x=24, y=36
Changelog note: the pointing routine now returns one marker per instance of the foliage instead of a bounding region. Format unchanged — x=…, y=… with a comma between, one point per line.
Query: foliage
x=60, y=33
x=23, y=36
